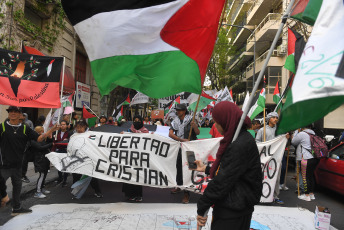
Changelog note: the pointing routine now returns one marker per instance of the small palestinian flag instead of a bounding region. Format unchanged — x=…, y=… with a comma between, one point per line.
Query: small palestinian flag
x=91, y=119
x=306, y=10
x=159, y=48
x=203, y=101
x=120, y=115
x=296, y=44
x=259, y=106
x=127, y=101
x=277, y=96
x=25, y=82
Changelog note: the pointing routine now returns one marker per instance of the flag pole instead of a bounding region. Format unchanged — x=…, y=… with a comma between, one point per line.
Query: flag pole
x=298, y=178
x=91, y=110
x=286, y=170
x=284, y=19
x=264, y=126
x=63, y=76
x=70, y=118
x=194, y=115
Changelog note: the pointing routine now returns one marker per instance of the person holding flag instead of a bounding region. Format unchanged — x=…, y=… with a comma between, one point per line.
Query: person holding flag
x=180, y=129
x=13, y=139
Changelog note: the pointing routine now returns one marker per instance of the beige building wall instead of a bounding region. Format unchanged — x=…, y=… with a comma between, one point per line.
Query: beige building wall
x=66, y=45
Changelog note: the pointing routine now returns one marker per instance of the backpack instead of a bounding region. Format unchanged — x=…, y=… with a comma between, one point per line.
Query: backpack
x=319, y=147
x=3, y=129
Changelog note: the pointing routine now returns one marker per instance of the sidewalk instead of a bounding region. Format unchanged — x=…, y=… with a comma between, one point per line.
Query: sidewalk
x=27, y=187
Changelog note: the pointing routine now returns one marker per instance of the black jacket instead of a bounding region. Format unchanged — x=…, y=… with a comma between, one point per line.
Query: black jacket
x=237, y=187
x=40, y=149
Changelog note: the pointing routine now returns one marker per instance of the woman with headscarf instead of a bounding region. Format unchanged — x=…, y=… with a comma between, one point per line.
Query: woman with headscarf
x=133, y=193
x=236, y=184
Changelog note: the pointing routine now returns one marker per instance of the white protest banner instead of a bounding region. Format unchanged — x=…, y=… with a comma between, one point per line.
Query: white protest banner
x=271, y=153
x=143, y=159
x=205, y=150
x=139, y=98
x=225, y=96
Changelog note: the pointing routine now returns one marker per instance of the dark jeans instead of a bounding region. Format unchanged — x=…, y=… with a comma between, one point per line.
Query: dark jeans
x=16, y=178
x=179, y=166
x=62, y=177
x=284, y=169
x=28, y=157
x=238, y=223
x=132, y=190
x=311, y=166
x=3, y=192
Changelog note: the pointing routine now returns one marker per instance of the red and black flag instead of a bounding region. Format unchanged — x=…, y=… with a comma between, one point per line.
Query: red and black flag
x=28, y=80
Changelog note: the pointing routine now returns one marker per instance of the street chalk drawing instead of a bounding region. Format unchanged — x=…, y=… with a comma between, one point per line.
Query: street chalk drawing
x=125, y=216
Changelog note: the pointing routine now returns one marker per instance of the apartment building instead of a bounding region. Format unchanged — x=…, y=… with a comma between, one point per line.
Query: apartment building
x=255, y=24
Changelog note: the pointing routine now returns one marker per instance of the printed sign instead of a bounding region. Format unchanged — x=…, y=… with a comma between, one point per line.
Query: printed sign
x=271, y=153
x=83, y=95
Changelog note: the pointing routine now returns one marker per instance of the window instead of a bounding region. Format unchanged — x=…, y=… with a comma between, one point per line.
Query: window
x=338, y=153
x=80, y=68
x=33, y=17
x=275, y=73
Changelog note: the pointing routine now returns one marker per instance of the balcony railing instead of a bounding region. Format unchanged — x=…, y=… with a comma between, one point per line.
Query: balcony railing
x=253, y=5
x=268, y=18
x=262, y=59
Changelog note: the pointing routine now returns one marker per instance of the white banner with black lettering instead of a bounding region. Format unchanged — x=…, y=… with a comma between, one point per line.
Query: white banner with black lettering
x=143, y=159
x=271, y=154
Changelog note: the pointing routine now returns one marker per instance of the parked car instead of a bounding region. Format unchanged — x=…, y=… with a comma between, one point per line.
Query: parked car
x=330, y=170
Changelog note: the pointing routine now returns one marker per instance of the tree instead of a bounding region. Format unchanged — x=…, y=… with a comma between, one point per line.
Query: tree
x=217, y=68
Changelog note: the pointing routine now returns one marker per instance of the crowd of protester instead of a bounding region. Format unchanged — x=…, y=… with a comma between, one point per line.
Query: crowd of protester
x=21, y=142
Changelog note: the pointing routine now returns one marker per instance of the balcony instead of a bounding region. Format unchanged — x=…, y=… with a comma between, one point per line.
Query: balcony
x=265, y=33
x=235, y=14
x=277, y=59
x=258, y=10
x=242, y=35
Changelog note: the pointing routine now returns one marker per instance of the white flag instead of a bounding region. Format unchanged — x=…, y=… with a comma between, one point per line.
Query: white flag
x=139, y=98
x=47, y=121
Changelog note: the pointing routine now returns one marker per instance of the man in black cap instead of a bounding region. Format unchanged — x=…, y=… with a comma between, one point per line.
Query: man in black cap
x=13, y=138
x=180, y=130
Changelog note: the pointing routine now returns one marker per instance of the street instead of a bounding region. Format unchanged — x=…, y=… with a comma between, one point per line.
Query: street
x=113, y=193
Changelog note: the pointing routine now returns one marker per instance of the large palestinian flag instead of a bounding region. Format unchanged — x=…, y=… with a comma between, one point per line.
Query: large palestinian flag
x=159, y=48
x=28, y=80
x=318, y=86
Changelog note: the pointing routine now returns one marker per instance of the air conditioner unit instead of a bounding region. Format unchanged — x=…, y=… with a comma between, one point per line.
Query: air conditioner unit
x=282, y=50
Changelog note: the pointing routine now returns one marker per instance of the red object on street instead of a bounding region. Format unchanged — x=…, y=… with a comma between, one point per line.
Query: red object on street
x=330, y=170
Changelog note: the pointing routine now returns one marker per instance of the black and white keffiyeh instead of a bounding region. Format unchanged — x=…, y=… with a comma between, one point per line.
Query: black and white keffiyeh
x=179, y=126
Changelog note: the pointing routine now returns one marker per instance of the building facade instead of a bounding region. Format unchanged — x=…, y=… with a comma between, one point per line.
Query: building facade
x=261, y=20
x=43, y=26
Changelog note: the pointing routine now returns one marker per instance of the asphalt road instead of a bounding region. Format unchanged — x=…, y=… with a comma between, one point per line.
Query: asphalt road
x=113, y=193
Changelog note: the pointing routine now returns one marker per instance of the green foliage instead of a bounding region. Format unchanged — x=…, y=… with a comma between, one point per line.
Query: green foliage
x=46, y=35
x=217, y=68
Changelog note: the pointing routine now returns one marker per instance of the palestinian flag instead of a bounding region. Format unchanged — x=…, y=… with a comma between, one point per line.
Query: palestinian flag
x=296, y=44
x=67, y=100
x=318, y=88
x=258, y=106
x=171, y=107
x=24, y=80
x=306, y=10
x=277, y=97
x=159, y=48
x=203, y=102
x=127, y=100
x=91, y=119
x=120, y=115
